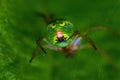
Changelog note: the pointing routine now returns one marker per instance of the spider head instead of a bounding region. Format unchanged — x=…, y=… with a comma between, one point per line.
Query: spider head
x=59, y=31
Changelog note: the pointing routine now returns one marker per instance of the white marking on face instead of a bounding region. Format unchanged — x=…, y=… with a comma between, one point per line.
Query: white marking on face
x=59, y=33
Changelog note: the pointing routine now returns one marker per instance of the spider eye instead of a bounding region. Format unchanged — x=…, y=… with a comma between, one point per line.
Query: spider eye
x=67, y=22
x=62, y=23
x=53, y=25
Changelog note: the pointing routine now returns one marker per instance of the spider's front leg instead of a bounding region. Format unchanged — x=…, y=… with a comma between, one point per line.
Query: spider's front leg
x=77, y=40
x=39, y=44
x=100, y=50
x=37, y=50
x=40, y=47
x=75, y=44
x=78, y=36
x=103, y=53
x=47, y=17
x=90, y=29
x=89, y=40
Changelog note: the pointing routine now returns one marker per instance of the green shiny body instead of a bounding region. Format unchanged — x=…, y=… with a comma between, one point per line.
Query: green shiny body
x=63, y=25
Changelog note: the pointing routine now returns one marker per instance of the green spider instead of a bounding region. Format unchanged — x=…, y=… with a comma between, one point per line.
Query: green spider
x=61, y=37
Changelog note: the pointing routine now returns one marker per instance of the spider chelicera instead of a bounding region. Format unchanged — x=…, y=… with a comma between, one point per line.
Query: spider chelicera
x=61, y=37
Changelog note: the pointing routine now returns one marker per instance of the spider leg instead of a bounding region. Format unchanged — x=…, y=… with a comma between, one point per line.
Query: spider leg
x=73, y=35
x=89, y=40
x=40, y=47
x=77, y=34
x=103, y=53
x=39, y=44
x=74, y=45
x=86, y=31
x=47, y=17
x=34, y=54
x=37, y=50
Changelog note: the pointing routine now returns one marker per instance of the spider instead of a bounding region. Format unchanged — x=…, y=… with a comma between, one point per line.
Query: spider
x=61, y=37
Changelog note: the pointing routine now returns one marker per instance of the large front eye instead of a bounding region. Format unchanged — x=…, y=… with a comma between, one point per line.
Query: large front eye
x=62, y=23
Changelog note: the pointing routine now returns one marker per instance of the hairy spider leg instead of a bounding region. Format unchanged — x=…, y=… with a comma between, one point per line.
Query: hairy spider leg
x=40, y=48
x=86, y=31
x=49, y=45
x=100, y=50
x=75, y=44
x=90, y=41
x=34, y=54
x=47, y=17
x=104, y=54
x=77, y=34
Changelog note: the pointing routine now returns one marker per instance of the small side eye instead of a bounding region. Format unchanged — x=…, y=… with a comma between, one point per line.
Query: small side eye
x=67, y=22
x=53, y=25
x=62, y=23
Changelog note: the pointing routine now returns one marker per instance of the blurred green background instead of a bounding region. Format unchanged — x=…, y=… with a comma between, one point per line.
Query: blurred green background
x=20, y=27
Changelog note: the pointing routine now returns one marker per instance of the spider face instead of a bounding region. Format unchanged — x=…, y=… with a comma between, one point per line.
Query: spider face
x=59, y=31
